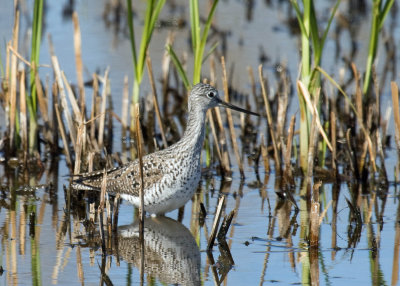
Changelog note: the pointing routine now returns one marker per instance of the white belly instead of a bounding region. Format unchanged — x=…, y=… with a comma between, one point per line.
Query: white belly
x=171, y=193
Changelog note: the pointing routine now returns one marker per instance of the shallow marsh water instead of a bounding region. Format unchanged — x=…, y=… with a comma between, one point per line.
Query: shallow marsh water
x=265, y=238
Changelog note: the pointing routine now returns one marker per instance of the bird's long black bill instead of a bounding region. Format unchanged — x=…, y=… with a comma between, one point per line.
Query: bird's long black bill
x=231, y=106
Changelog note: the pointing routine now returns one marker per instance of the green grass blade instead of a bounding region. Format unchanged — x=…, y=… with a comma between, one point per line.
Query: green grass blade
x=212, y=49
x=35, y=49
x=200, y=50
x=154, y=17
x=178, y=66
x=333, y=13
x=299, y=19
x=195, y=23
x=314, y=32
x=145, y=40
x=386, y=8
x=131, y=32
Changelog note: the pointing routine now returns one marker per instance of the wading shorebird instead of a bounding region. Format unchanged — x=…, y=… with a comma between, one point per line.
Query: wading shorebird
x=171, y=176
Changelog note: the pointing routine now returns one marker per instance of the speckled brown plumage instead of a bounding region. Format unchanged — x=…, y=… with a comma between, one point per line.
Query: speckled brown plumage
x=171, y=176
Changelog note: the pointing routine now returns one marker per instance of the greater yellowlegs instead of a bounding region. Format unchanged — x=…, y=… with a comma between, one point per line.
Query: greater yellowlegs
x=171, y=176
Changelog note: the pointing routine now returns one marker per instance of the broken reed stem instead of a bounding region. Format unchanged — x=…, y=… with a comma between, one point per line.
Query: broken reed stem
x=253, y=83
x=314, y=215
x=54, y=123
x=93, y=107
x=23, y=115
x=223, y=230
x=289, y=143
x=269, y=121
x=264, y=154
x=63, y=99
x=78, y=152
x=155, y=100
x=396, y=112
x=140, y=157
x=230, y=120
x=72, y=100
x=359, y=105
x=103, y=110
x=217, y=218
x=63, y=136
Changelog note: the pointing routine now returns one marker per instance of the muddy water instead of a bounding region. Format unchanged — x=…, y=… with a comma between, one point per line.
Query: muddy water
x=266, y=238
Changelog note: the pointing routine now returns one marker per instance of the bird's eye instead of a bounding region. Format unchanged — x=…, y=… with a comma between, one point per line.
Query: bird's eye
x=211, y=94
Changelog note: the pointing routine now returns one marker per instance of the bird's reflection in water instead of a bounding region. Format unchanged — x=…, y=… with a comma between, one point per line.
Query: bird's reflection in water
x=170, y=251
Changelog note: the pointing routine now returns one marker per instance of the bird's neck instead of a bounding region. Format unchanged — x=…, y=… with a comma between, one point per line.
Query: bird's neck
x=193, y=136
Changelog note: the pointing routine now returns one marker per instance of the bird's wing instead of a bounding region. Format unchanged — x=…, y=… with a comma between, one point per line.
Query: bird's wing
x=124, y=179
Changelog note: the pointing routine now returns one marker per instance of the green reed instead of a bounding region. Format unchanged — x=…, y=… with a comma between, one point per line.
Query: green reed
x=35, y=53
x=312, y=46
x=380, y=9
x=199, y=40
x=139, y=60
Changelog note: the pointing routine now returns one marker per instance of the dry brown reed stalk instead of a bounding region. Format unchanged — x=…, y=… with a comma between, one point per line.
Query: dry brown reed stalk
x=23, y=116
x=288, y=154
x=13, y=79
x=253, y=83
x=54, y=122
x=155, y=100
x=359, y=104
x=78, y=151
x=333, y=140
x=283, y=101
x=214, y=133
x=269, y=121
x=223, y=230
x=22, y=230
x=42, y=99
x=109, y=221
x=396, y=251
x=223, y=144
x=230, y=120
x=100, y=210
x=103, y=109
x=396, y=112
x=78, y=60
x=63, y=99
x=63, y=136
x=74, y=104
x=140, y=157
x=94, y=108
x=217, y=218
x=264, y=154
x=352, y=159
x=125, y=104
x=312, y=140
x=315, y=215
x=79, y=265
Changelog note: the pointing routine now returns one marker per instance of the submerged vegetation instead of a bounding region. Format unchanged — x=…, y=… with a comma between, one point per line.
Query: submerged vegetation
x=343, y=141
